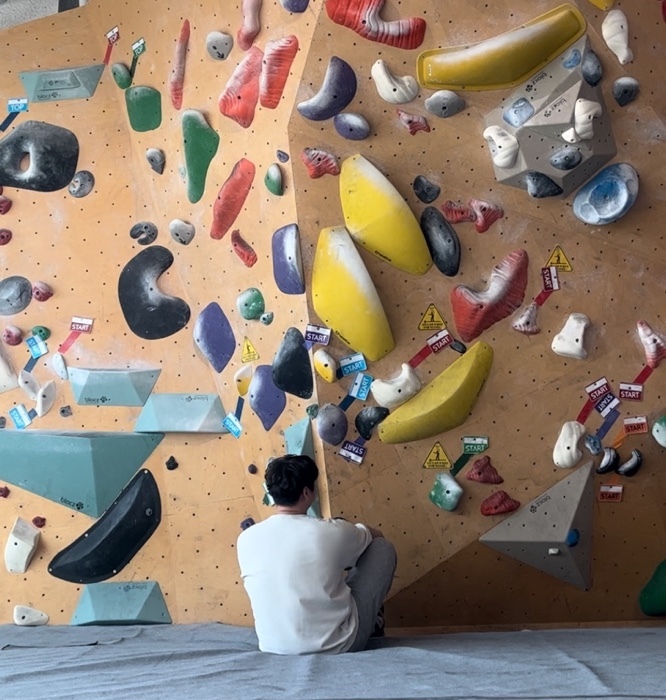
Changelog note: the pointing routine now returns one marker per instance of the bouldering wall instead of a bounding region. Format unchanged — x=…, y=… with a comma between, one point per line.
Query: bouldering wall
x=614, y=274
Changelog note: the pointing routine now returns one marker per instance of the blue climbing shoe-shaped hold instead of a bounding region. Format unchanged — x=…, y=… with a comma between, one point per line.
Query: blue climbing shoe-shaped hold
x=121, y=603
x=608, y=196
x=266, y=400
x=214, y=336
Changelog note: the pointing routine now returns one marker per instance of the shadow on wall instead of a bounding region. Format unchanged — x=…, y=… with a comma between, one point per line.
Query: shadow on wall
x=14, y=12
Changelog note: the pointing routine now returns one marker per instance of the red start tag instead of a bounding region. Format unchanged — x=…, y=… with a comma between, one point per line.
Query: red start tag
x=609, y=493
x=636, y=424
x=81, y=325
x=598, y=389
x=551, y=282
x=631, y=392
x=113, y=35
x=440, y=340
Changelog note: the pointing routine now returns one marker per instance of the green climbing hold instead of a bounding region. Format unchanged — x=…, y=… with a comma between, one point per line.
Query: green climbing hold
x=42, y=332
x=250, y=304
x=144, y=108
x=200, y=144
x=267, y=318
x=652, y=598
x=312, y=410
x=446, y=492
x=273, y=180
x=121, y=75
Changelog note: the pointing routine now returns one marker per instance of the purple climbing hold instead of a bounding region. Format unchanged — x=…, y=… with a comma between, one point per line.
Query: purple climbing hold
x=295, y=5
x=266, y=400
x=282, y=156
x=331, y=424
x=214, y=336
x=291, y=365
x=287, y=268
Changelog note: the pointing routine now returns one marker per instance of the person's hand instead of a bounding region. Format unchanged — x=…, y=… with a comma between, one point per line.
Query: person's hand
x=375, y=532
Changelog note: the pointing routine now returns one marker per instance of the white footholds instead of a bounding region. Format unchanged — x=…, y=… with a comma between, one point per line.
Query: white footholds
x=615, y=31
x=219, y=45
x=46, y=398
x=569, y=342
x=392, y=393
x=503, y=146
x=527, y=323
x=29, y=384
x=585, y=112
x=566, y=453
x=59, y=365
x=21, y=545
x=392, y=88
x=444, y=103
x=181, y=231
x=156, y=159
x=25, y=616
x=325, y=365
x=8, y=379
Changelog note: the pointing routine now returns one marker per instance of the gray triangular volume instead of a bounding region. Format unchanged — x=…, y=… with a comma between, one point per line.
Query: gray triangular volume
x=553, y=533
x=62, y=84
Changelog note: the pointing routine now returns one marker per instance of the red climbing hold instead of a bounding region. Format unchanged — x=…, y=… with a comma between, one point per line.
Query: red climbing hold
x=486, y=214
x=483, y=471
x=251, y=25
x=4, y=491
x=5, y=204
x=5, y=236
x=499, y=503
x=413, y=122
x=231, y=197
x=243, y=249
x=39, y=521
x=319, y=162
x=456, y=213
x=177, y=76
x=239, y=98
x=278, y=57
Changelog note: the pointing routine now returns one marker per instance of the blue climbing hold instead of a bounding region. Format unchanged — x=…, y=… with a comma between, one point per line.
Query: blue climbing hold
x=608, y=196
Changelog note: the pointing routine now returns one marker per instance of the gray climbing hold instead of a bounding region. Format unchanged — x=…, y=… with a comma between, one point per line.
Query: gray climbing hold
x=608, y=196
x=291, y=365
x=181, y=231
x=517, y=113
x=219, y=45
x=442, y=241
x=566, y=158
x=144, y=233
x=156, y=159
x=331, y=424
x=15, y=295
x=444, y=103
x=282, y=156
x=267, y=318
x=82, y=184
x=351, y=126
x=571, y=59
x=368, y=418
x=591, y=68
x=425, y=190
x=625, y=90
x=540, y=185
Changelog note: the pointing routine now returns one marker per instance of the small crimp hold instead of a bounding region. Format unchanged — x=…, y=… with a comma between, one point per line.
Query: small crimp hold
x=484, y=472
x=41, y=291
x=4, y=491
x=413, y=122
x=39, y=521
x=456, y=213
x=66, y=411
x=632, y=465
x=486, y=214
x=527, y=323
x=171, y=463
x=499, y=503
x=609, y=461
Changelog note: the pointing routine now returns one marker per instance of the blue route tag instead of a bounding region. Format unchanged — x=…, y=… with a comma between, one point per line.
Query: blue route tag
x=20, y=416
x=233, y=425
x=36, y=346
x=361, y=386
x=352, y=364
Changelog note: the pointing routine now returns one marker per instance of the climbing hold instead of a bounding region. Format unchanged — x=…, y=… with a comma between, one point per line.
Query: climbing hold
x=21, y=546
x=181, y=231
x=252, y=468
x=144, y=108
x=368, y=418
x=566, y=158
x=82, y=184
x=243, y=377
x=25, y=616
x=392, y=88
x=653, y=343
x=282, y=156
x=319, y=162
x=526, y=322
x=391, y=393
x=652, y=598
x=5, y=236
x=266, y=400
x=144, y=232
x=28, y=382
x=483, y=471
x=5, y=204
x=171, y=463
x=457, y=213
x=363, y=18
x=156, y=159
x=214, y=336
x=517, y=113
x=608, y=196
x=412, y=122
x=39, y=521
x=239, y=98
x=121, y=74
x=425, y=190
x=345, y=298
x=444, y=103
x=291, y=365
x=336, y=92
x=8, y=379
x=250, y=304
x=571, y=58
x=331, y=424
x=243, y=249
x=54, y=153
x=295, y=5
x=200, y=144
x=112, y=387
x=148, y=311
x=615, y=31
x=352, y=126
x=486, y=214
x=312, y=410
x=566, y=453
x=609, y=461
x=4, y=491
x=231, y=197
x=112, y=540
x=540, y=185
x=219, y=45
x=632, y=465
x=279, y=54
x=442, y=241
x=267, y=318
x=177, y=75
x=503, y=146
x=181, y=413
x=474, y=312
x=659, y=430
x=625, y=90
x=593, y=444
x=46, y=397
x=499, y=503
x=41, y=291
x=65, y=411
x=569, y=341
x=585, y=112
x=12, y=335
x=41, y=332
x=443, y=404
x=325, y=365
x=591, y=68
x=378, y=218
x=59, y=365
x=273, y=180
x=251, y=25
x=286, y=253
x=445, y=492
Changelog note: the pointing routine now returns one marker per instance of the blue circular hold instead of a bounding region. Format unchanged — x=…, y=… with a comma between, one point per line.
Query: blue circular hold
x=608, y=196
x=573, y=538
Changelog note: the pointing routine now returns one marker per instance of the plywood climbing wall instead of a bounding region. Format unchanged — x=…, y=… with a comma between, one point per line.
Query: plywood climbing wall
x=80, y=246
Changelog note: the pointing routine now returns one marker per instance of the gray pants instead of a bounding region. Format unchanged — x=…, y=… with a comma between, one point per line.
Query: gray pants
x=370, y=581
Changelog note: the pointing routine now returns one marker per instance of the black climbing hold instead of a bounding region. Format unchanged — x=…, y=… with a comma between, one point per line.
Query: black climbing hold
x=3, y=422
x=65, y=411
x=368, y=418
x=625, y=90
x=632, y=465
x=609, y=461
x=144, y=233
x=425, y=190
x=442, y=241
x=252, y=468
x=331, y=424
x=248, y=522
x=82, y=184
x=566, y=158
x=591, y=68
x=291, y=365
x=540, y=185
x=459, y=347
x=171, y=463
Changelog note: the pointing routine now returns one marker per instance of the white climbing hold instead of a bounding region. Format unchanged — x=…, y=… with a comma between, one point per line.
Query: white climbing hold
x=569, y=342
x=585, y=112
x=46, y=398
x=28, y=382
x=392, y=393
x=566, y=453
x=21, y=545
x=392, y=88
x=59, y=365
x=615, y=30
x=527, y=323
x=503, y=146
x=25, y=616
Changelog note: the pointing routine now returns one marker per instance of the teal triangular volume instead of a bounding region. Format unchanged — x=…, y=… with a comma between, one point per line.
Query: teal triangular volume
x=112, y=387
x=61, y=84
x=298, y=438
x=118, y=603
x=553, y=533
x=182, y=413
x=84, y=471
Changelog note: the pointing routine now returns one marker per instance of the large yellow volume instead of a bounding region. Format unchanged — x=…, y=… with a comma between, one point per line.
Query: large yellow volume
x=443, y=404
x=378, y=218
x=345, y=298
x=504, y=60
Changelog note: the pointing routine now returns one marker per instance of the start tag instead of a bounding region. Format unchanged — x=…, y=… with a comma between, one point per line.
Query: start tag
x=474, y=445
x=440, y=340
x=551, y=282
x=361, y=386
x=81, y=325
x=610, y=493
x=635, y=424
x=232, y=424
x=353, y=363
x=598, y=389
x=631, y=392
x=353, y=451
x=607, y=404
x=317, y=334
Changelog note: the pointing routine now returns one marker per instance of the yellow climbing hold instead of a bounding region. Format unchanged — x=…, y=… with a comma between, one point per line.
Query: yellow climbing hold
x=378, y=218
x=505, y=60
x=603, y=4
x=443, y=404
x=243, y=376
x=325, y=365
x=345, y=298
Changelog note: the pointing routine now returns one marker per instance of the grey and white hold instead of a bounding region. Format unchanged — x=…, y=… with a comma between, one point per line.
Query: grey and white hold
x=632, y=465
x=181, y=231
x=591, y=68
x=609, y=461
x=444, y=103
x=625, y=90
x=144, y=233
x=82, y=184
x=540, y=185
x=156, y=159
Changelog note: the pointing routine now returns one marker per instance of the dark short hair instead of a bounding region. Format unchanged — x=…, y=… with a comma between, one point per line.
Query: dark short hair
x=287, y=476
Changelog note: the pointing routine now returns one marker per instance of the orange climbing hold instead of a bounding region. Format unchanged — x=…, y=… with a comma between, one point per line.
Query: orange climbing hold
x=499, y=503
x=239, y=98
x=484, y=472
x=177, y=76
x=319, y=162
x=251, y=25
x=278, y=57
x=231, y=198
x=243, y=249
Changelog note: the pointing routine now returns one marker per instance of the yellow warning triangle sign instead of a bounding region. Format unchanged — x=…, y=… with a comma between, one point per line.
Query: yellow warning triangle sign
x=249, y=353
x=437, y=458
x=559, y=260
x=432, y=320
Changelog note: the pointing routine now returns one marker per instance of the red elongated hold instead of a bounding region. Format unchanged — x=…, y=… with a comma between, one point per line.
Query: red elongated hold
x=474, y=312
x=5, y=204
x=498, y=503
x=251, y=25
x=177, y=75
x=456, y=213
x=243, y=249
x=486, y=214
x=653, y=343
x=319, y=162
x=413, y=122
x=483, y=471
x=39, y=521
x=362, y=16
x=231, y=198
x=239, y=98
x=278, y=57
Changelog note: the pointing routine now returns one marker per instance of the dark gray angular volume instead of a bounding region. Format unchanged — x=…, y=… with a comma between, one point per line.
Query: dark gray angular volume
x=442, y=241
x=291, y=365
x=425, y=190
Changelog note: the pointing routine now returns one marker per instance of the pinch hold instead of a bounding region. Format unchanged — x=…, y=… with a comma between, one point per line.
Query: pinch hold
x=413, y=122
x=319, y=162
x=527, y=323
x=393, y=88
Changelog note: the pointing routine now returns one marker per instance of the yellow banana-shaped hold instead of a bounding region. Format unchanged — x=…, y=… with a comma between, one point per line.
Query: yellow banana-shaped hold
x=443, y=404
